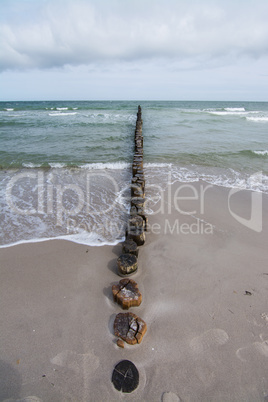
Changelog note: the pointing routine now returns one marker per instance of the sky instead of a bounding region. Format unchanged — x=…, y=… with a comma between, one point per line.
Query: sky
x=134, y=50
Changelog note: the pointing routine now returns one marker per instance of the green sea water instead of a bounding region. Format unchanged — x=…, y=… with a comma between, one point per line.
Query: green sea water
x=77, y=155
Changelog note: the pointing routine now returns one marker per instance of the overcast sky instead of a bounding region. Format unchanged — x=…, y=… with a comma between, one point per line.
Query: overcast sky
x=134, y=49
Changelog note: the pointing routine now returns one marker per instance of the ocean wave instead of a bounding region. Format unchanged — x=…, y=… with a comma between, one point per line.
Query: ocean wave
x=107, y=165
x=157, y=164
x=67, y=165
x=221, y=177
x=62, y=108
x=9, y=109
x=57, y=165
x=62, y=114
x=257, y=119
x=110, y=117
x=235, y=109
x=262, y=153
x=46, y=165
x=252, y=153
x=226, y=113
x=83, y=237
x=31, y=165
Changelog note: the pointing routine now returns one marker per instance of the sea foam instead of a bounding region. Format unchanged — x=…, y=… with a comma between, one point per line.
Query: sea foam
x=62, y=114
x=257, y=119
x=263, y=153
x=234, y=109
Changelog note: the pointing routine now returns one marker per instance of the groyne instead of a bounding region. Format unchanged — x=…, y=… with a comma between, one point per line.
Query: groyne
x=128, y=327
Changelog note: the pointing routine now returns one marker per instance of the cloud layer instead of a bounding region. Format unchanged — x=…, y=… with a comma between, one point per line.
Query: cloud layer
x=47, y=34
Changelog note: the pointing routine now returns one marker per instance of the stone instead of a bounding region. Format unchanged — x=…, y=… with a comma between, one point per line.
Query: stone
x=120, y=343
x=129, y=327
x=125, y=376
x=127, y=294
x=127, y=264
x=130, y=247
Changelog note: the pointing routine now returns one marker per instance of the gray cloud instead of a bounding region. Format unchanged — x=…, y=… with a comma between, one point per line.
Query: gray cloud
x=48, y=34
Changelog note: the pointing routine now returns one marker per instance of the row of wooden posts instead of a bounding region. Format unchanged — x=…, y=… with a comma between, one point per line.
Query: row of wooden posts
x=137, y=223
x=128, y=327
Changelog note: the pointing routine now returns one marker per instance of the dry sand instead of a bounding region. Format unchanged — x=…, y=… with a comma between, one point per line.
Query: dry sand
x=207, y=340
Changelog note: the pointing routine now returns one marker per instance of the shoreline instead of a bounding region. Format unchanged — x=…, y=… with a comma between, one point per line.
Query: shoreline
x=72, y=237
x=206, y=339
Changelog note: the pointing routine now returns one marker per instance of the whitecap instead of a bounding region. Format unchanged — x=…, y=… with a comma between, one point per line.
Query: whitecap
x=9, y=109
x=261, y=152
x=155, y=164
x=229, y=179
x=83, y=237
x=62, y=114
x=234, y=109
x=226, y=113
x=57, y=165
x=31, y=165
x=108, y=165
x=61, y=108
x=258, y=119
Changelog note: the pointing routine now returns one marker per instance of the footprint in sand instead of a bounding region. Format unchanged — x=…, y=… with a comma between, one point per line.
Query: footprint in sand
x=170, y=397
x=248, y=352
x=77, y=362
x=210, y=338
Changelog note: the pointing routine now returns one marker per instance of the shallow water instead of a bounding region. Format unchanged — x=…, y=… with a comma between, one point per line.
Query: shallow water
x=66, y=165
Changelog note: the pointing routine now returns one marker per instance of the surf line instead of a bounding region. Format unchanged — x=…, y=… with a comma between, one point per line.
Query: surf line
x=128, y=327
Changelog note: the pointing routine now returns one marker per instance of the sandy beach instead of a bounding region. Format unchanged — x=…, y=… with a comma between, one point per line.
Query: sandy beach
x=204, y=281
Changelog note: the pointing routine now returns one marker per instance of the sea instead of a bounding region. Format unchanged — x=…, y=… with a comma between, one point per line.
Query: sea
x=65, y=166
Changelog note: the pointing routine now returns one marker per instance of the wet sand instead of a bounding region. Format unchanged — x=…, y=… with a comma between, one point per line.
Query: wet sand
x=204, y=281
